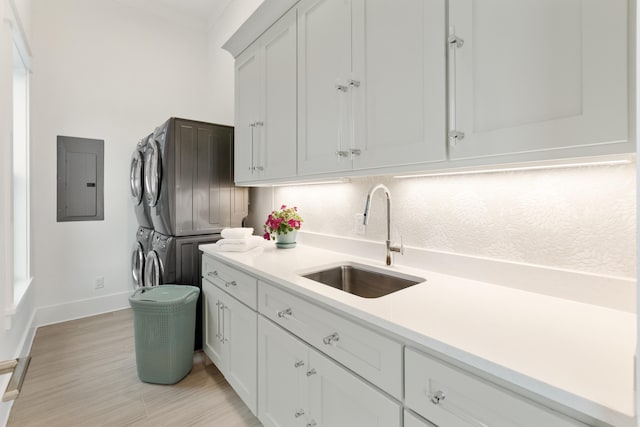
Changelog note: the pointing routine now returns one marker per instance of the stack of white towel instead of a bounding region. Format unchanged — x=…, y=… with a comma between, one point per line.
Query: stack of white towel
x=238, y=240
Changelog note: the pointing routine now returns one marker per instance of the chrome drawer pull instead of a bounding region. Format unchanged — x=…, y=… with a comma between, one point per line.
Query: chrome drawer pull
x=215, y=273
x=312, y=423
x=437, y=397
x=331, y=339
x=285, y=313
x=298, y=364
x=299, y=413
x=311, y=372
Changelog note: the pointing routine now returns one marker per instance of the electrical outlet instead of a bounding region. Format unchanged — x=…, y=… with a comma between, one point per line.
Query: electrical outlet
x=99, y=282
x=358, y=227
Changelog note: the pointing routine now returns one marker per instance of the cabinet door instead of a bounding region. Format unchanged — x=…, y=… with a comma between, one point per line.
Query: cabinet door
x=399, y=59
x=539, y=75
x=282, y=365
x=411, y=420
x=339, y=398
x=324, y=55
x=275, y=145
x=240, y=333
x=213, y=328
x=248, y=87
x=213, y=179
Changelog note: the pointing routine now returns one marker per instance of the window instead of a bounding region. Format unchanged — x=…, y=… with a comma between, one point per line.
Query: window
x=20, y=148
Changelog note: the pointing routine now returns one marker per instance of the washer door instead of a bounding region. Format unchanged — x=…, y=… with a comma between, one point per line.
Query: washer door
x=135, y=177
x=152, y=172
x=152, y=270
x=137, y=265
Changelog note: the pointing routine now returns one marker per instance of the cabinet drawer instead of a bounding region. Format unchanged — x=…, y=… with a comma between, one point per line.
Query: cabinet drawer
x=235, y=282
x=373, y=356
x=447, y=396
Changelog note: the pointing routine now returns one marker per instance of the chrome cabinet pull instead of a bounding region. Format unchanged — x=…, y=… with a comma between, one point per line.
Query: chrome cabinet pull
x=299, y=413
x=222, y=309
x=284, y=313
x=331, y=339
x=341, y=153
x=342, y=88
x=437, y=397
x=355, y=152
x=298, y=364
x=455, y=43
x=215, y=274
x=312, y=423
x=353, y=83
x=311, y=372
x=218, y=334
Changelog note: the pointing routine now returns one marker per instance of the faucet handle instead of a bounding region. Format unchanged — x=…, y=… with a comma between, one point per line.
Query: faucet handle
x=399, y=249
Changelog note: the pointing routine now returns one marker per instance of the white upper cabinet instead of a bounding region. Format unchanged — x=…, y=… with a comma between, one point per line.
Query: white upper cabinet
x=324, y=63
x=399, y=59
x=372, y=88
x=247, y=106
x=266, y=105
x=543, y=77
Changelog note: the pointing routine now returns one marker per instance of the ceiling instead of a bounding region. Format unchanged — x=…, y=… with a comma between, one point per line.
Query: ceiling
x=200, y=14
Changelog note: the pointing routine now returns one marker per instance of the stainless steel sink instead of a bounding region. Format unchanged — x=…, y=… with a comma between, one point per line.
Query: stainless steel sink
x=363, y=281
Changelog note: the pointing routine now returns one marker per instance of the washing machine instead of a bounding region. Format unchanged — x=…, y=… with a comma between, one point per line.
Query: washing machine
x=136, y=181
x=178, y=260
x=188, y=179
x=138, y=255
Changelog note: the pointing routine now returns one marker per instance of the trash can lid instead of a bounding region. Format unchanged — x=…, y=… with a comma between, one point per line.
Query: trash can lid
x=163, y=293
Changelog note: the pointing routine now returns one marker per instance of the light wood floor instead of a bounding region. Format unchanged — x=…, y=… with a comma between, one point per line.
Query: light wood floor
x=83, y=373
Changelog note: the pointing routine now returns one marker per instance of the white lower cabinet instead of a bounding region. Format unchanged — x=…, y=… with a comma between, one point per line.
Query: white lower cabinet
x=230, y=341
x=301, y=387
x=411, y=420
x=450, y=397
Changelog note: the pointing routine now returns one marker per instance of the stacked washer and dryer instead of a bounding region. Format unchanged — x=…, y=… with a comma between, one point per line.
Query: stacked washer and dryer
x=183, y=195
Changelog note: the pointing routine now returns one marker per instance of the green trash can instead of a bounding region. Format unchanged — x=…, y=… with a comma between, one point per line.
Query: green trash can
x=164, y=321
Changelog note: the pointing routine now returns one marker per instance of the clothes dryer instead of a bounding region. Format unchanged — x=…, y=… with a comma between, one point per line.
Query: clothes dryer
x=138, y=255
x=136, y=181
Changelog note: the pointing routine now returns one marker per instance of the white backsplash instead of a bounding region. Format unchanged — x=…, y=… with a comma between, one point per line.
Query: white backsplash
x=580, y=219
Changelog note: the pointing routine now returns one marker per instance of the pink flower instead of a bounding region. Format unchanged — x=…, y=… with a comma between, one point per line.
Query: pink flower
x=267, y=236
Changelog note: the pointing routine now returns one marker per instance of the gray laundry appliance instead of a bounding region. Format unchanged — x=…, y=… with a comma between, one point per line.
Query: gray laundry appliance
x=188, y=179
x=139, y=253
x=177, y=260
x=136, y=184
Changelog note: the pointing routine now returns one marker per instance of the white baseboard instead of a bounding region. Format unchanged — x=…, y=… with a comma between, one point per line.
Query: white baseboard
x=81, y=308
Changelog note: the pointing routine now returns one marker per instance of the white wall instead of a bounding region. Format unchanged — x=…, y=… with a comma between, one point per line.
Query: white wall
x=101, y=70
x=580, y=219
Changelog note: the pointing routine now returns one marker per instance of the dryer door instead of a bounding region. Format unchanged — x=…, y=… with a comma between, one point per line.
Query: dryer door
x=152, y=172
x=137, y=265
x=152, y=270
x=135, y=177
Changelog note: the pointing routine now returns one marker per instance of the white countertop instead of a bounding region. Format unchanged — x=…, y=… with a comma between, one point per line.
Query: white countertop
x=578, y=355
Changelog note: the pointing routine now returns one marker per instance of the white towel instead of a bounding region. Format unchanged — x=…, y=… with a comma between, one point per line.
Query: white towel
x=238, y=245
x=236, y=233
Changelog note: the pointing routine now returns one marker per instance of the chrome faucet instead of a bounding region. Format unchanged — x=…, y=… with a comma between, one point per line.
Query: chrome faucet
x=367, y=206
